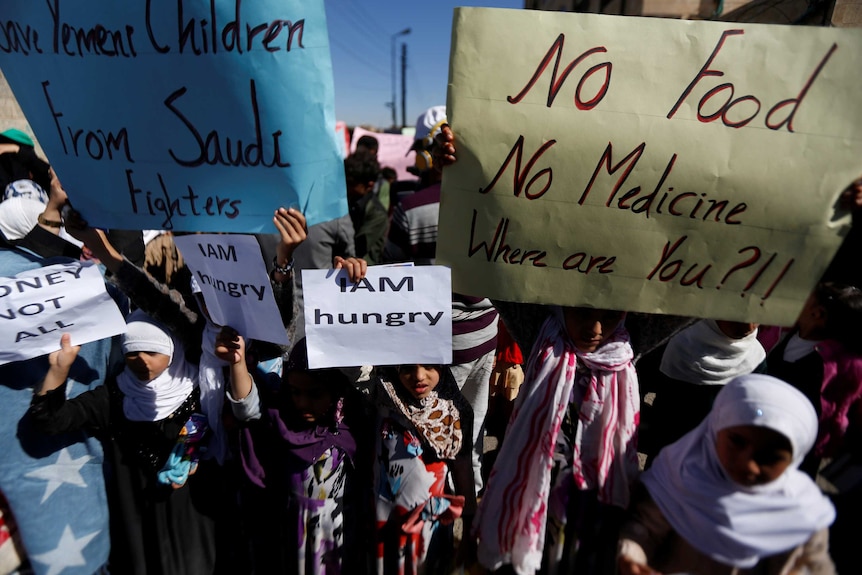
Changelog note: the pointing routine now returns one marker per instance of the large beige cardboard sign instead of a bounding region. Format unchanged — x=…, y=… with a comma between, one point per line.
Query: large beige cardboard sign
x=648, y=165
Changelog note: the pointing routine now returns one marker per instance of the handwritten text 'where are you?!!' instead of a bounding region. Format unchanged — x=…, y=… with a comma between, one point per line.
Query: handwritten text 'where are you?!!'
x=177, y=56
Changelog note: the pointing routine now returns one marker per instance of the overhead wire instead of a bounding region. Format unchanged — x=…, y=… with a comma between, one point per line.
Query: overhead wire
x=364, y=28
x=353, y=53
x=368, y=21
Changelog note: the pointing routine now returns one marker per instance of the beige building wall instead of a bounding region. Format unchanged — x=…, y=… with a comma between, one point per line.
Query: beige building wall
x=847, y=14
x=843, y=13
x=11, y=115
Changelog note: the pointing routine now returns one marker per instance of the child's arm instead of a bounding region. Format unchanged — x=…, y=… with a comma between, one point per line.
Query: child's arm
x=243, y=396
x=814, y=558
x=51, y=413
x=155, y=298
x=292, y=230
x=230, y=347
x=60, y=363
x=641, y=535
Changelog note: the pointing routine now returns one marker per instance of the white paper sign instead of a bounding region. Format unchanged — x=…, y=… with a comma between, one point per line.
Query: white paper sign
x=38, y=306
x=232, y=277
x=394, y=315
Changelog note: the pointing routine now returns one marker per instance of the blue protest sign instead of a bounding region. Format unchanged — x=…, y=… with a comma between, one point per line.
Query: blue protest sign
x=187, y=116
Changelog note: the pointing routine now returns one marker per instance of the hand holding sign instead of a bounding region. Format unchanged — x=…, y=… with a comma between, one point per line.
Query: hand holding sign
x=230, y=347
x=444, y=151
x=63, y=358
x=356, y=267
x=59, y=362
x=851, y=198
x=93, y=239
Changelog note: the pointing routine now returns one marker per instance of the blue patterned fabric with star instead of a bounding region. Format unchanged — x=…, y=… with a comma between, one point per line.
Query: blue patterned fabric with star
x=54, y=485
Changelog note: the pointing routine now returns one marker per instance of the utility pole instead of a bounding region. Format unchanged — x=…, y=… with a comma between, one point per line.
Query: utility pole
x=392, y=104
x=403, y=85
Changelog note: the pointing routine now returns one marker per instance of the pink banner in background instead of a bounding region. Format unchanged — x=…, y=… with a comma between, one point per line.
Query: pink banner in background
x=341, y=130
x=394, y=151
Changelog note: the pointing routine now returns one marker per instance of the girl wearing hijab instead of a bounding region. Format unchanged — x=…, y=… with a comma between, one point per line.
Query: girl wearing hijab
x=728, y=497
x=570, y=451
x=299, y=453
x=149, y=419
x=189, y=319
x=821, y=355
x=423, y=446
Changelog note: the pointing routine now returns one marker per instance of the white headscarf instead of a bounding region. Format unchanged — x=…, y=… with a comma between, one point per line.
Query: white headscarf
x=159, y=397
x=19, y=215
x=702, y=354
x=211, y=381
x=733, y=524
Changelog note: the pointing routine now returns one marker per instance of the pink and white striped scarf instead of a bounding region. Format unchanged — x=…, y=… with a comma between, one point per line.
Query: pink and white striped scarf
x=510, y=523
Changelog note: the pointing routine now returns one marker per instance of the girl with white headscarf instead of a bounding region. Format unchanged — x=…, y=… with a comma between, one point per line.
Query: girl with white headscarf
x=148, y=419
x=728, y=497
x=696, y=363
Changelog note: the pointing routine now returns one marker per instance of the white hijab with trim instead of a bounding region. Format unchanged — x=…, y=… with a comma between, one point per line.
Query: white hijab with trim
x=159, y=397
x=733, y=524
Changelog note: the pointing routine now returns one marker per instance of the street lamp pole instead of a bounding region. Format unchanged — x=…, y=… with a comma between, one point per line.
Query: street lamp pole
x=403, y=32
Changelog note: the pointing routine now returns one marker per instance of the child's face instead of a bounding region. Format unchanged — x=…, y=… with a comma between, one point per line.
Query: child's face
x=419, y=380
x=812, y=319
x=311, y=400
x=753, y=455
x=590, y=328
x=147, y=365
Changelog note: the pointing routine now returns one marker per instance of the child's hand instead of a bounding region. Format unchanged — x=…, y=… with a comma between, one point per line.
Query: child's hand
x=59, y=362
x=230, y=346
x=444, y=152
x=63, y=358
x=631, y=567
x=94, y=239
x=293, y=229
x=851, y=198
x=356, y=267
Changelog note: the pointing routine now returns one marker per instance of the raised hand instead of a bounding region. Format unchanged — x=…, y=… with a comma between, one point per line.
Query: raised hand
x=59, y=362
x=64, y=357
x=292, y=227
x=230, y=346
x=444, y=152
x=851, y=198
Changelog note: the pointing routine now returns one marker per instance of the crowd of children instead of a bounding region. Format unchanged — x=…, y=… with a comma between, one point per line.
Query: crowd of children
x=224, y=455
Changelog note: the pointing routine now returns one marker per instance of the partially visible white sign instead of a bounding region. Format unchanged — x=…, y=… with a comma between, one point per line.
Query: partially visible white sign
x=37, y=306
x=395, y=315
x=231, y=274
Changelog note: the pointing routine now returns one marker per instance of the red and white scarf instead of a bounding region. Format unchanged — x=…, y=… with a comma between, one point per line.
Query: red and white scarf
x=511, y=518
